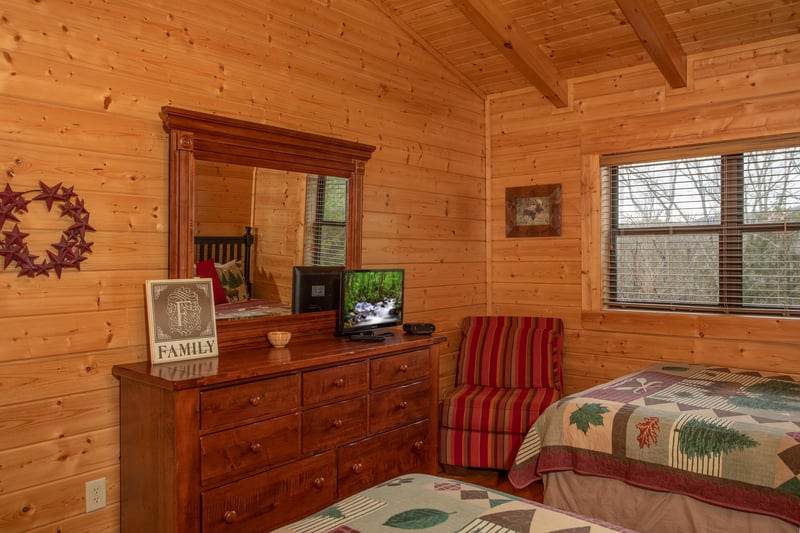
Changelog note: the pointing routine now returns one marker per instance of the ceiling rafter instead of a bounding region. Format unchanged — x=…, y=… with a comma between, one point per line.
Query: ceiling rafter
x=500, y=28
x=653, y=30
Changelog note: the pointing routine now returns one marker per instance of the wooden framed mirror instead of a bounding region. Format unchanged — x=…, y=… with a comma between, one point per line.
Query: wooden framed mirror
x=201, y=137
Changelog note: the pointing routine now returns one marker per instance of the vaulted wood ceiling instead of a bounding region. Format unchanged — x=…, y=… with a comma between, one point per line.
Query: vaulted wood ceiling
x=502, y=45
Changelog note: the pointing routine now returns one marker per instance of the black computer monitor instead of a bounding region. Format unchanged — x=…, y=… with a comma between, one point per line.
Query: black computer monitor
x=315, y=288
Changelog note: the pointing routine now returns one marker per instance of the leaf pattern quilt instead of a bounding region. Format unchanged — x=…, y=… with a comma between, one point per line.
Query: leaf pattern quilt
x=725, y=436
x=420, y=502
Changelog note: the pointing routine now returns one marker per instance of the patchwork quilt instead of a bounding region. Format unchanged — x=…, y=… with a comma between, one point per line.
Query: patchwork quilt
x=725, y=436
x=438, y=505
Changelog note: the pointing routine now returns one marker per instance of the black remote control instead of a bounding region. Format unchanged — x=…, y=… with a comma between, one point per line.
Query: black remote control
x=367, y=337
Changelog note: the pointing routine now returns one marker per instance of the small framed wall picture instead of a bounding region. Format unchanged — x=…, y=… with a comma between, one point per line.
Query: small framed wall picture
x=181, y=319
x=533, y=211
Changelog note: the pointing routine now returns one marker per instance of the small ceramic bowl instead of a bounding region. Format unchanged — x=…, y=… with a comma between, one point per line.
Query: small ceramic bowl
x=279, y=339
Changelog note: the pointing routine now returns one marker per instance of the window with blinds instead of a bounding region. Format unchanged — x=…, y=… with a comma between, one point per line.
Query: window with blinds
x=716, y=230
x=326, y=221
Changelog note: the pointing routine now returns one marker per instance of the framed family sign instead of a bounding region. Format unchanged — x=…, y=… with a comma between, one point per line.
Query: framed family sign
x=533, y=211
x=181, y=319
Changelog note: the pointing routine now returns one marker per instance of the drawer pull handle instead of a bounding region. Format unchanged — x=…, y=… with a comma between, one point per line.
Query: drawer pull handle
x=255, y=400
x=404, y=368
x=419, y=445
x=337, y=423
x=230, y=517
x=319, y=482
x=255, y=447
x=403, y=404
x=357, y=468
x=339, y=382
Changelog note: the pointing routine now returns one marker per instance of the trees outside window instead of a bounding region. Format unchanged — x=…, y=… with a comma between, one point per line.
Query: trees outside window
x=717, y=232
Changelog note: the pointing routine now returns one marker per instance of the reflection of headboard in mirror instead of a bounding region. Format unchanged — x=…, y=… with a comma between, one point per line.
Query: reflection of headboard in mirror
x=195, y=136
x=225, y=248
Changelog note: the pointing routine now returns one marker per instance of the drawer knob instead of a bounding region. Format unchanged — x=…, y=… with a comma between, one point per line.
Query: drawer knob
x=339, y=382
x=357, y=468
x=255, y=400
x=230, y=517
x=319, y=482
x=419, y=445
x=404, y=368
x=338, y=423
x=255, y=447
x=403, y=404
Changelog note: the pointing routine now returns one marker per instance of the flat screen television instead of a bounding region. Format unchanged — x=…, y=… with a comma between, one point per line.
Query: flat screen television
x=370, y=299
x=315, y=288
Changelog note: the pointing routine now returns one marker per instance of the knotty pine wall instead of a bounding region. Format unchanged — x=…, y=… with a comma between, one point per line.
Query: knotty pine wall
x=81, y=86
x=739, y=93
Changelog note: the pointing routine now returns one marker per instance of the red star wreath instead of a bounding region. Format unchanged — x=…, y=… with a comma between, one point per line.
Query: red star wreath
x=69, y=252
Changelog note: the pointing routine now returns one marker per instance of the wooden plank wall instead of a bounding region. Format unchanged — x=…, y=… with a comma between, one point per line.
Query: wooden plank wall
x=82, y=85
x=735, y=94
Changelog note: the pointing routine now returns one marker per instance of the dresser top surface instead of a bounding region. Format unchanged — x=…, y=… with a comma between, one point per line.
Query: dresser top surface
x=260, y=360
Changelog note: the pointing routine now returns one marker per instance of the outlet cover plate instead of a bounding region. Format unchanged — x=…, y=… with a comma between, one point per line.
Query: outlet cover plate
x=95, y=494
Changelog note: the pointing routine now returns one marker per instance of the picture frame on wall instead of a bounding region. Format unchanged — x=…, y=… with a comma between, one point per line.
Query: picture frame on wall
x=181, y=319
x=533, y=211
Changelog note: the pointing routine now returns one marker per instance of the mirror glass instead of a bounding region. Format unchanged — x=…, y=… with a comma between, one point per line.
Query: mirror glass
x=229, y=198
x=227, y=174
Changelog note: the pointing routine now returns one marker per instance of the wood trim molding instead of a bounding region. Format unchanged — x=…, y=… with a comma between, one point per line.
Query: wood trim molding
x=195, y=135
x=201, y=136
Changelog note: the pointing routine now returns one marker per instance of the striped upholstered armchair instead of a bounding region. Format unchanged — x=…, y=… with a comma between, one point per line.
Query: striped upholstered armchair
x=509, y=371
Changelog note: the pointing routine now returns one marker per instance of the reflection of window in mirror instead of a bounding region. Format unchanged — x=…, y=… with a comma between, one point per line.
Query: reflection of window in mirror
x=324, y=242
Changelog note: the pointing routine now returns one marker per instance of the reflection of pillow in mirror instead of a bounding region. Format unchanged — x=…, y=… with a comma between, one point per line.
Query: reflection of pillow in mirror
x=232, y=278
x=206, y=269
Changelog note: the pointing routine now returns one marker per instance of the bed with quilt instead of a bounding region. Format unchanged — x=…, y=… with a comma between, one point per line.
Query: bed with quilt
x=672, y=448
x=422, y=502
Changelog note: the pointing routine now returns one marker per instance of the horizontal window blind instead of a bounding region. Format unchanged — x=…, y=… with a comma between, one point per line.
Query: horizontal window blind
x=326, y=221
x=711, y=232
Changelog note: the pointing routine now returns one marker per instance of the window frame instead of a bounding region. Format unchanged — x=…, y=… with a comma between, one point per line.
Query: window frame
x=730, y=230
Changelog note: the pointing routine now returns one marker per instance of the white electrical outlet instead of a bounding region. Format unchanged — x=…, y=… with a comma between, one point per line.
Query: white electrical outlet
x=95, y=494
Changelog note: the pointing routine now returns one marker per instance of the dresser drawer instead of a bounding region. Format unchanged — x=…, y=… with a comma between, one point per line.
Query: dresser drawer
x=383, y=457
x=271, y=499
x=233, y=404
x=397, y=369
x=321, y=386
x=246, y=448
x=398, y=406
x=331, y=425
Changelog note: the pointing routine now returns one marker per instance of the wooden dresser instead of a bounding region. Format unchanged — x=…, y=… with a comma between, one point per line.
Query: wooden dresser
x=260, y=436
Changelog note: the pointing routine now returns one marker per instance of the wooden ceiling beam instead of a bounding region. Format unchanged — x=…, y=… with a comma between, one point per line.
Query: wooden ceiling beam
x=653, y=30
x=500, y=28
